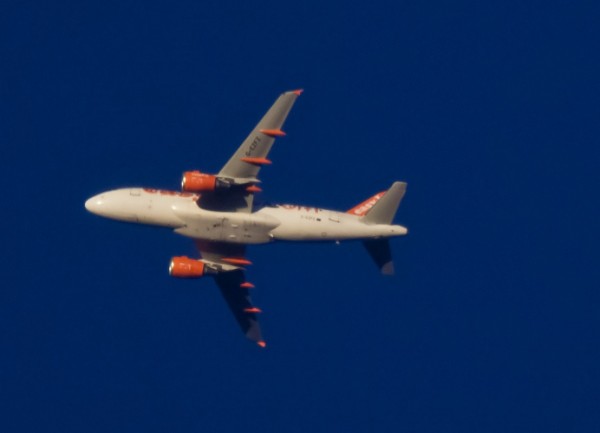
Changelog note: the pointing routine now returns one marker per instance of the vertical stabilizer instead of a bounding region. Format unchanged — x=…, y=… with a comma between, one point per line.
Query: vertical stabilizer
x=384, y=210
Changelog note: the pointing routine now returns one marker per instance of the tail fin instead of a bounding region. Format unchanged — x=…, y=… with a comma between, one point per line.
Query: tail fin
x=385, y=208
x=361, y=209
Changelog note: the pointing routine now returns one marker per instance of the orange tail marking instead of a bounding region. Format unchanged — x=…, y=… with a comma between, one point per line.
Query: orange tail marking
x=298, y=92
x=257, y=161
x=247, y=285
x=252, y=310
x=273, y=132
x=365, y=206
x=261, y=343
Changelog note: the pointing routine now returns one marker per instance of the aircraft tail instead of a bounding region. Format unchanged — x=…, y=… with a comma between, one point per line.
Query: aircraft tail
x=384, y=210
x=362, y=208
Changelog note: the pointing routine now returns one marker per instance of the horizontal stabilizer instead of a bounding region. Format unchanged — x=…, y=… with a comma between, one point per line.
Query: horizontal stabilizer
x=379, y=250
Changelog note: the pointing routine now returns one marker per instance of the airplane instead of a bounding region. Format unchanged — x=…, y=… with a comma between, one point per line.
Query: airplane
x=218, y=212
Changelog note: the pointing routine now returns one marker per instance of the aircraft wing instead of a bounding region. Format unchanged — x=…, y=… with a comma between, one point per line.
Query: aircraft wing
x=244, y=165
x=252, y=154
x=233, y=285
x=240, y=304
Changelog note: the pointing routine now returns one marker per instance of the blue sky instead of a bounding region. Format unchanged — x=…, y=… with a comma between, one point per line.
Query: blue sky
x=488, y=111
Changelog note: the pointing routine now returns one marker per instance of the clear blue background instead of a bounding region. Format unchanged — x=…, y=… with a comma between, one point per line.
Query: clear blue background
x=488, y=110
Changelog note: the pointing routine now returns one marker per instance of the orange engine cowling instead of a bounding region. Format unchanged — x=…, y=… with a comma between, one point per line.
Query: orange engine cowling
x=194, y=181
x=184, y=267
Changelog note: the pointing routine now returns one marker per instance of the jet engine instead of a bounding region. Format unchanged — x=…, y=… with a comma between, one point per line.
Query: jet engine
x=194, y=181
x=184, y=267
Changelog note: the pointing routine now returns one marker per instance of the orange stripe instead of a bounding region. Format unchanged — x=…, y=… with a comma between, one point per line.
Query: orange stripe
x=273, y=132
x=253, y=188
x=252, y=310
x=236, y=261
x=257, y=161
x=364, y=207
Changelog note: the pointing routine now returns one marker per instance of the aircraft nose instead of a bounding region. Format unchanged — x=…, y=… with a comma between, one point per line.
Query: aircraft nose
x=94, y=204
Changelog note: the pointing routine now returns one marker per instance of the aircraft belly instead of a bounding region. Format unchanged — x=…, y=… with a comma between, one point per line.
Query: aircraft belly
x=324, y=225
x=315, y=232
x=226, y=226
x=158, y=209
x=297, y=226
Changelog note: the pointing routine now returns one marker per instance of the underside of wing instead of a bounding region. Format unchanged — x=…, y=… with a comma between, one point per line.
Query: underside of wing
x=240, y=304
x=233, y=285
x=252, y=154
x=241, y=171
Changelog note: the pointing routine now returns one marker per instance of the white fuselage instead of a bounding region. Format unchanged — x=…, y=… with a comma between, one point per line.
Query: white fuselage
x=283, y=222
